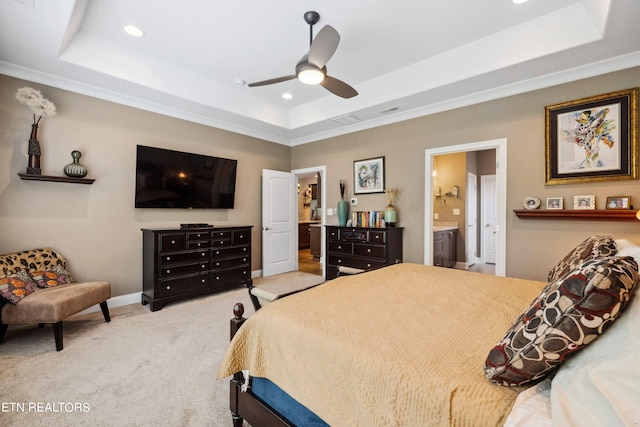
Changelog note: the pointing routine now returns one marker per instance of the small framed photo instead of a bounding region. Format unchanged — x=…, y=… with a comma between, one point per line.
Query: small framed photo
x=531, y=203
x=554, y=202
x=619, y=202
x=584, y=202
x=368, y=176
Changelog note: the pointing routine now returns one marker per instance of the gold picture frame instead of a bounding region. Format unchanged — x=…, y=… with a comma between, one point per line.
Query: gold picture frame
x=592, y=139
x=618, y=202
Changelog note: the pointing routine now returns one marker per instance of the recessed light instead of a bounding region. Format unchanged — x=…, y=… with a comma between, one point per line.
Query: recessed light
x=519, y=1
x=287, y=95
x=239, y=81
x=134, y=31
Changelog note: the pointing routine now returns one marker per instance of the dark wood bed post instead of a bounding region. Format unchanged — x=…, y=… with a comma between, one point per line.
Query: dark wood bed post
x=238, y=378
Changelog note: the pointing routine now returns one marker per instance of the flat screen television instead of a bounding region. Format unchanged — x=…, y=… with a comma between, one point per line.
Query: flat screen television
x=174, y=179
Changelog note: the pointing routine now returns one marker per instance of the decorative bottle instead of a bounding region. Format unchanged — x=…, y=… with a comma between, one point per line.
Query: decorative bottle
x=75, y=169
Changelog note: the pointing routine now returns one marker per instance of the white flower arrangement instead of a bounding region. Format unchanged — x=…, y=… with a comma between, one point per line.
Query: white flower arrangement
x=39, y=105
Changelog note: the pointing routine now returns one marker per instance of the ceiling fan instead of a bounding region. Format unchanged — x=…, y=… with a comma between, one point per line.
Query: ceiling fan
x=311, y=69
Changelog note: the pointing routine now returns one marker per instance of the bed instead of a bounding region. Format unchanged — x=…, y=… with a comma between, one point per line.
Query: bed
x=402, y=345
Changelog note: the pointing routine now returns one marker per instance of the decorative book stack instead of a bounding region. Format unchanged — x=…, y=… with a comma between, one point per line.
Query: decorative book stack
x=370, y=219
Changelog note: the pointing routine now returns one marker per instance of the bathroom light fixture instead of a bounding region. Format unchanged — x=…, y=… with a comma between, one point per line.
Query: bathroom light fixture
x=134, y=31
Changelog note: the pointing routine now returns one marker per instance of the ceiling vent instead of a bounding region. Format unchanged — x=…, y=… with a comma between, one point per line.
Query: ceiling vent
x=389, y=110
x=347, y=120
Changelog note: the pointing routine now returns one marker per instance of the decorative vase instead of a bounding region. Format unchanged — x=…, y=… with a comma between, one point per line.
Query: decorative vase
x=390, y=216
x=343, y=212
x=34, y=152
x=75, y=169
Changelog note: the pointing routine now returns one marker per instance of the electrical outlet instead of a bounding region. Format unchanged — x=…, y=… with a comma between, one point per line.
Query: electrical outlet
x=436, y=216
x=456, y=211
x=329, y=211
x=354, y=201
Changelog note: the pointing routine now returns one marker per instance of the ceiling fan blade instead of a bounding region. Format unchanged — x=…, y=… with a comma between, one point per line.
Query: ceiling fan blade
x=272, y=81
x=338, y=87
x=324, y=46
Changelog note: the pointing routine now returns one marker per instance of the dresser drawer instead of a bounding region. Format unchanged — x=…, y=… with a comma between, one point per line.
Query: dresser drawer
x=370, y=251
x=229, y=263
x=341, y=247
x=332, y=233
x=179, y=270
x=197, y=244
x=168, y=288
x=172, y=242
x=225, y=277
x=354, y=262
x=231, y=252
x=220, y=238
x=184, y=257
x=376, y=236
x=198, y=235
x=241, y=237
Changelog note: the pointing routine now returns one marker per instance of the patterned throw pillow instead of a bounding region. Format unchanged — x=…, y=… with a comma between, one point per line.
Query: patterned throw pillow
x=16, y=286
x=568, y=314
x=593, y=247
x=53, y=276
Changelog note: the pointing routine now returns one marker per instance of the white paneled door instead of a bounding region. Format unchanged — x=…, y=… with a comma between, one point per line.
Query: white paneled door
x=489, y=218
x=279, y=222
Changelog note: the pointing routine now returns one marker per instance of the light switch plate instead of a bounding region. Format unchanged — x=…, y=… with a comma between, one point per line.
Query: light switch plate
x=456, y=211
x=329, y=211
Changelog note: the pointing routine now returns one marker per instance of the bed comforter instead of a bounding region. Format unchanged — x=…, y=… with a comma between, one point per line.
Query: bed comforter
x=402, y=345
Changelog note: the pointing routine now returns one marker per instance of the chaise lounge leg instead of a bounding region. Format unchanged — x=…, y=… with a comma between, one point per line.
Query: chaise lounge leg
x=105, y=311
x=3, y=330
x=57, y=333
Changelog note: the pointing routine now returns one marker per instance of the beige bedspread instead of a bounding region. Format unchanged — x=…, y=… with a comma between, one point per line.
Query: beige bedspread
x=400, y=346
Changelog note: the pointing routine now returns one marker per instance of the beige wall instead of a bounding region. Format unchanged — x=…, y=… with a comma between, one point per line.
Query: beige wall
x=96, y=226
x=533, y=246
x=98, y=229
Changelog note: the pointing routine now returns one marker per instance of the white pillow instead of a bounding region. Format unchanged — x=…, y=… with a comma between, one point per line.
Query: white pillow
x=600, y=385
x=626, y=248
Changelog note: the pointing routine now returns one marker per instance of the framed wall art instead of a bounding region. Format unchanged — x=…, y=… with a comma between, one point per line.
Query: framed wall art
x=368, y=176
x=592, y=139
x=584, y=202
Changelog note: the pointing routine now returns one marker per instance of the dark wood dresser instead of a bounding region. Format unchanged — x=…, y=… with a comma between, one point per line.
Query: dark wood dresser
x=181, y=263
x=362, y=248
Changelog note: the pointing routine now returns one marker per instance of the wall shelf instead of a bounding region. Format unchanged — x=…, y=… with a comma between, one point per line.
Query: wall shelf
x=29, y=177
x=628, y=215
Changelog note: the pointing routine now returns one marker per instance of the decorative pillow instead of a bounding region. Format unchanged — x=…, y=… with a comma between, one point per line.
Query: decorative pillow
x=16, y=286
x=593, y=247
x=568, y=314
x=53, y=276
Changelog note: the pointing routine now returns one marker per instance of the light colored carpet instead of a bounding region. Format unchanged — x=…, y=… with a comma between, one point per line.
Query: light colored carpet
x=140, y=369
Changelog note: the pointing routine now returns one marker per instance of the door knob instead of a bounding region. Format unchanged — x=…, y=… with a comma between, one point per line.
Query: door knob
x=267, y=228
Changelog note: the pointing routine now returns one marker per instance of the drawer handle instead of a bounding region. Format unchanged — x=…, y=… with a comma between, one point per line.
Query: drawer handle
x=339, y=247
x=241, y=236
x=173, y=242
x=198, y=234
x=168, y=271
x=203, y=280
x=369, y=250
x=199, y=244
x=203, y=254
x=168, y=287
x=368, y=265
x=204, y=265
x=217, y=277
x=339, y=261
x=244, y=272
x=168, y=258
x=217, y=264
x=244, y=249
x=244, y=259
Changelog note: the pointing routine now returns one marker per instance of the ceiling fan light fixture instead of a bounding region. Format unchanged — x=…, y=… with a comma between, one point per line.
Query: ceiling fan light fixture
x=311, y=76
